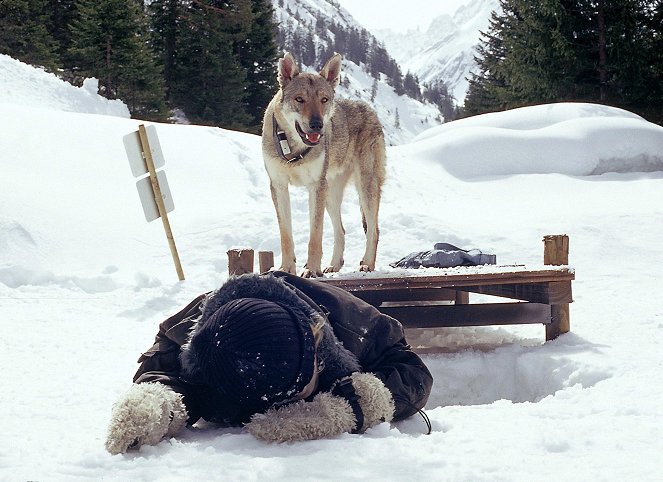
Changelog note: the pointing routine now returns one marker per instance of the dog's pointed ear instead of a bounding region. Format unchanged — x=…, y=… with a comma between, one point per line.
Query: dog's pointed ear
x=288, y=69
x=332, y=70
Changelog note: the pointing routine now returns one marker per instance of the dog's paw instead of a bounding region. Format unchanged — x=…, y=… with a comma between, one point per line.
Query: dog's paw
x=308, y=273
x=364, y=268
x=330, y=269
x=288, y=269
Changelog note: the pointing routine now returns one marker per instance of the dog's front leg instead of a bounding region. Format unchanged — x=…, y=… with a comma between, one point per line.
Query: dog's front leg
x=316, y=207
x=334, y=200
x=281, y=199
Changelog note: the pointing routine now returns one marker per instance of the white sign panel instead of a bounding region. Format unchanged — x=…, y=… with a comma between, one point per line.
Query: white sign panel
x=146, y=195
x=135, y=153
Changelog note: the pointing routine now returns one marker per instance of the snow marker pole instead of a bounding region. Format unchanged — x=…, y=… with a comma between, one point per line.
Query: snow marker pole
x=147, y=154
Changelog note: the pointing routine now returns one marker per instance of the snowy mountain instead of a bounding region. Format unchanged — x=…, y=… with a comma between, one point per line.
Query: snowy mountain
x=446, y=49
x=313, y=31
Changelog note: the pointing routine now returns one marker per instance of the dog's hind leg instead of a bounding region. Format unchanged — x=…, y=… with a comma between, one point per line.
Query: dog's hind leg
x=281, y=198
x=334, y=201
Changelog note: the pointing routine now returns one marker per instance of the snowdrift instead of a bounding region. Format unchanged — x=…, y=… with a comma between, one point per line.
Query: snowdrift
x=573, y=139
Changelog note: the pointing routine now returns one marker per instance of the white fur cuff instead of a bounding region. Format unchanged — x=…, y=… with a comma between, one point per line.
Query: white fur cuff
x=325, y=416
x=147, y=413
x=375, y=399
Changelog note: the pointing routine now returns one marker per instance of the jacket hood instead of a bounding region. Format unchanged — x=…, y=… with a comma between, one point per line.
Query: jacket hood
x=336, y=361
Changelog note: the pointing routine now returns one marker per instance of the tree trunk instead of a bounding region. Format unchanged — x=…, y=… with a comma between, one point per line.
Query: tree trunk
x=109, y=75
x=603, y=57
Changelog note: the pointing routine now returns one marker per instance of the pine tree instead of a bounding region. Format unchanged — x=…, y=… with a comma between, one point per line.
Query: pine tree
x=539, y=66
x=23, y=33
x=374, y=90
x=555, y=50
x=258, y=57
x=108, y=42
x=309, y=54
x=411, y=86
x=525, y=57
x=652, y=98
x=209, y=81
x=60, y=14
x=485, y=84
x=167, y=21
x=438, y=93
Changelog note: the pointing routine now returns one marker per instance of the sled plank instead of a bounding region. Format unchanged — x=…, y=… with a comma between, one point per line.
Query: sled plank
x=471, y=315
x=454, y=280
x=415, y=297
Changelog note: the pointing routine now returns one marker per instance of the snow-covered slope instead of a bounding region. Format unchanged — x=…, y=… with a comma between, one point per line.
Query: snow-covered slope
x=402, y=117
x=85, y=281
x=47, y=91
x=446, y=49
x=309, y=10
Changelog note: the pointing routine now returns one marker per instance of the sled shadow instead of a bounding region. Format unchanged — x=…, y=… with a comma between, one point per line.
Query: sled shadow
x=476, y=366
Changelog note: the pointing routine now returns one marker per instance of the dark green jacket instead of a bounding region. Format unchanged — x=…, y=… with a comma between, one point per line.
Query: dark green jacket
x=375, y=339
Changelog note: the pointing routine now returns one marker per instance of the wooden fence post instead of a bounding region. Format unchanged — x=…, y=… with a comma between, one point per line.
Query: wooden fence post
x=240, y=261
x=265, y=261
x=556, y=253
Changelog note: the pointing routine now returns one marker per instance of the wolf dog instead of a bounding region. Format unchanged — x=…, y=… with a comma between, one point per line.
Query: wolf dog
x=312, y=139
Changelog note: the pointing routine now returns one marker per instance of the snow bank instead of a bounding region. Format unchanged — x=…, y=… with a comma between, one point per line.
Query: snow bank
x=573, y=139
x=22, y=84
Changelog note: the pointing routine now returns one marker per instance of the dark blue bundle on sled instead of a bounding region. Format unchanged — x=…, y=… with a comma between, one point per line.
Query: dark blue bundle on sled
x=444, y=255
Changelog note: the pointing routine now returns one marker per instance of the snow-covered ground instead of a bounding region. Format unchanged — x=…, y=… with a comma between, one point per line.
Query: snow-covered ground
x=84, y=281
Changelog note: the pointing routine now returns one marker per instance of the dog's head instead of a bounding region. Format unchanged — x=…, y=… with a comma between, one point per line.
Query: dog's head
x=307, y=99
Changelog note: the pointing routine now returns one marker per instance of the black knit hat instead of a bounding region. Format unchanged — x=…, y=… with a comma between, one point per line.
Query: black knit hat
x=254, y=352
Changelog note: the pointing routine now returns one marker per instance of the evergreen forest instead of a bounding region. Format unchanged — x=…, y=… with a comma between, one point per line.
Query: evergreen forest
x=602, y=51
x=212, y=59
x=215, y=60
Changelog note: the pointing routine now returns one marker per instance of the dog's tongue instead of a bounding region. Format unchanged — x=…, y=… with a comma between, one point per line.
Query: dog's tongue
x=314, y=138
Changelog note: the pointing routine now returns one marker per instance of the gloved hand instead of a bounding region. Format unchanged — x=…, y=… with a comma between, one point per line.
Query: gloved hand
x=327, y=415
x=147, y=413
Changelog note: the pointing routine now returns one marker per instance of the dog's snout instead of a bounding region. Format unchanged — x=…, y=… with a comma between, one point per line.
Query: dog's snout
x=316, y=124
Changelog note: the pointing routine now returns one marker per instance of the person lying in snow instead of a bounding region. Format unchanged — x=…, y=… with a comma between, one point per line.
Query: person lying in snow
x=289, y=358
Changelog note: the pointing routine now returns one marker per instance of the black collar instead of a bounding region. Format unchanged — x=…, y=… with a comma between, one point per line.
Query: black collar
x=282, y=145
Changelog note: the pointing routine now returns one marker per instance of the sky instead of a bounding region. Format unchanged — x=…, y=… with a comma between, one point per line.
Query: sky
x=85, y=281
x=388, y=14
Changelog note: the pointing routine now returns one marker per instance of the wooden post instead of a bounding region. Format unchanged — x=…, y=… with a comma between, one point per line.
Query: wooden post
x=556, y=253
x=265, y=261
x=462, y=298
x=159, y=199
x=556, y=250
x=240, y=261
